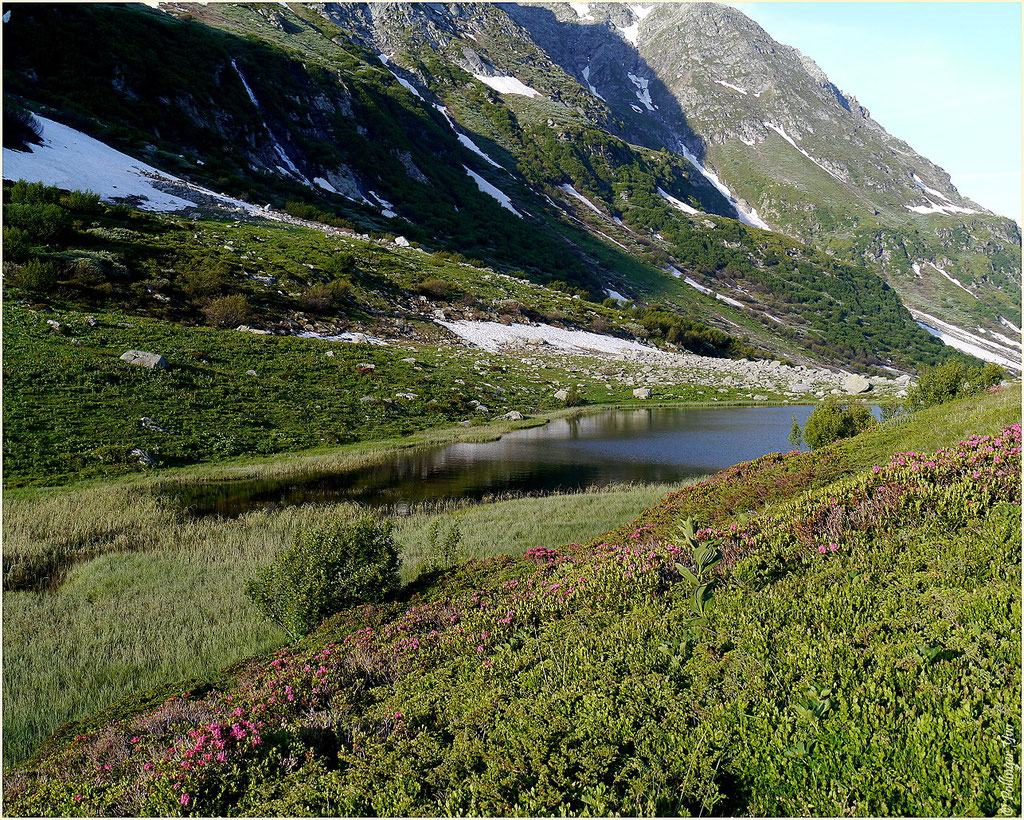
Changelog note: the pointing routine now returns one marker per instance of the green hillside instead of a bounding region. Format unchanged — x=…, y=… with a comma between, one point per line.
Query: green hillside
x=877, y=604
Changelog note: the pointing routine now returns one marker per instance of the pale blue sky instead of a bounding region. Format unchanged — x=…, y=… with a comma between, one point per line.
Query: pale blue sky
x=945, y=77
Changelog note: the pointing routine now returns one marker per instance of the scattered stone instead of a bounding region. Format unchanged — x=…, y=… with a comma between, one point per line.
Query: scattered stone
x=439, y=314
x=512, y=415
x=257, y=331
x=760, y=397
x=368, y=400
x=402, y=242
x=905, y=379
x=329, y=354
x=144, y=359
x=142, y=457
x=482, y=408
x=408, y=396
x=409, y=360
x=57, y=327
x=91, y=321
x=250, y=372
x=856, y=384
x=365, y=367
x=642, y=393
x=562, y=395
x=466, y=423
x=359, y=338
x=149, y=424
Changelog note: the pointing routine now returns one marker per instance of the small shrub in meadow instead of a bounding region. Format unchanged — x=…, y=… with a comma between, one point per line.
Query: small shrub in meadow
x=229, y=311
x=833, y=420
x=35, y=275
x=326, y=570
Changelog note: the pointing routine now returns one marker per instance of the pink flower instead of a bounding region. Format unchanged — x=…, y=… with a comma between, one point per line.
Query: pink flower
x=184, y=799
x=822, y=548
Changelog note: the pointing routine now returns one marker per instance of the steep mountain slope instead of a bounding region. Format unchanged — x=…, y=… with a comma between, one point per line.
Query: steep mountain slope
x=796, y=151
x=466, y=127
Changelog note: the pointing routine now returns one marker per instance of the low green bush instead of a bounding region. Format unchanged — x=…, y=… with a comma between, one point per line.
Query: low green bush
x=951, y=380
x=833, y=420
x=36, y=275
x=326, y=570
x=229, y=311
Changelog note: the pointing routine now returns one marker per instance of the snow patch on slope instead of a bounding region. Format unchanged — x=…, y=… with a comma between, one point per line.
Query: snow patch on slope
x=957, y=337
x=630, y=33
x=586, y=79
x=933, y=208
x=778, y=129
x=614, y=294
x=573, y=192
x=508, y=85
x=70, y=159
x=486, y=187
x=582, y=10
x=956, y=282
x=323, y=183
x=928, y=190
x=1006, y=322
x=733, y=87
x=748, y=218
x=401, y=80
x=677, y=203
x=491, y=336
x=643, y=91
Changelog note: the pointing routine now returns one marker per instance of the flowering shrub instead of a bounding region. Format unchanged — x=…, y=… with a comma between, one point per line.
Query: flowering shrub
x=575, y=669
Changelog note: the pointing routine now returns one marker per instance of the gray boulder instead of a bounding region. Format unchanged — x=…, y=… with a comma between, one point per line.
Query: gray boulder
x=142, y=457
x=856, y=384
x=561, y=395
x=512, y=415
x=149, y=424
x=642, y=393
x=144, y=359
x=250, y=372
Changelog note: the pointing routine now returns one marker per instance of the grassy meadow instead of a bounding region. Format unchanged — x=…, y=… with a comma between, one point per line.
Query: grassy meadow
x=858, y=653
x=164, y=599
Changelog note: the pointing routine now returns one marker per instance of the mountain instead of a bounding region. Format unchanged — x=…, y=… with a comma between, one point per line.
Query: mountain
x=670, y=154
x=794, y=149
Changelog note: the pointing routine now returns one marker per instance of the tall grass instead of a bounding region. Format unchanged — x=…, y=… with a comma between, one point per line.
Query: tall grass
x=159, y=596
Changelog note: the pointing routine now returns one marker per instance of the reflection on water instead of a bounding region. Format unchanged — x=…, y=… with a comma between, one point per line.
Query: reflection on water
x=657, y=445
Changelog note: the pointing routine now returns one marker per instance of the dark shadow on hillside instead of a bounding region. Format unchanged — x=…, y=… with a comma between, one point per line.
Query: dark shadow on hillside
x=576, y=46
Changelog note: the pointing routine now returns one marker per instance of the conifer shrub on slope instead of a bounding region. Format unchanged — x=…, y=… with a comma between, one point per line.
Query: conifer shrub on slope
x=861, y=656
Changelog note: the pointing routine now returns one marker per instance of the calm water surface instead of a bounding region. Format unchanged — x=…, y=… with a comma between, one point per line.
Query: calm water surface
x=656, y=445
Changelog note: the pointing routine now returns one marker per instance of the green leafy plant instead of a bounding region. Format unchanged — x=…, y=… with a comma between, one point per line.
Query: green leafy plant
x=326, y=570
x=833, y=420
x=706, y=556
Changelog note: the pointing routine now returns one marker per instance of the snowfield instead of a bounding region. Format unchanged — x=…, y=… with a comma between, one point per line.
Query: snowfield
x=492, y=336
x=508, y=85
x=70, y=159
x=746, y=217
x=677, y=203
x=486, y=187
x=574, y=193
x=957, y=337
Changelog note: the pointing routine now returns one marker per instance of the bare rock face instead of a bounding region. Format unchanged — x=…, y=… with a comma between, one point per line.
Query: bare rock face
x=856, y=384
x=144, y=359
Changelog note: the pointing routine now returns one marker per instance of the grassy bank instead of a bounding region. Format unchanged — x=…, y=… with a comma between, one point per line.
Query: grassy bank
x=73, y=410
x=859, y=655
x=164, y=598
